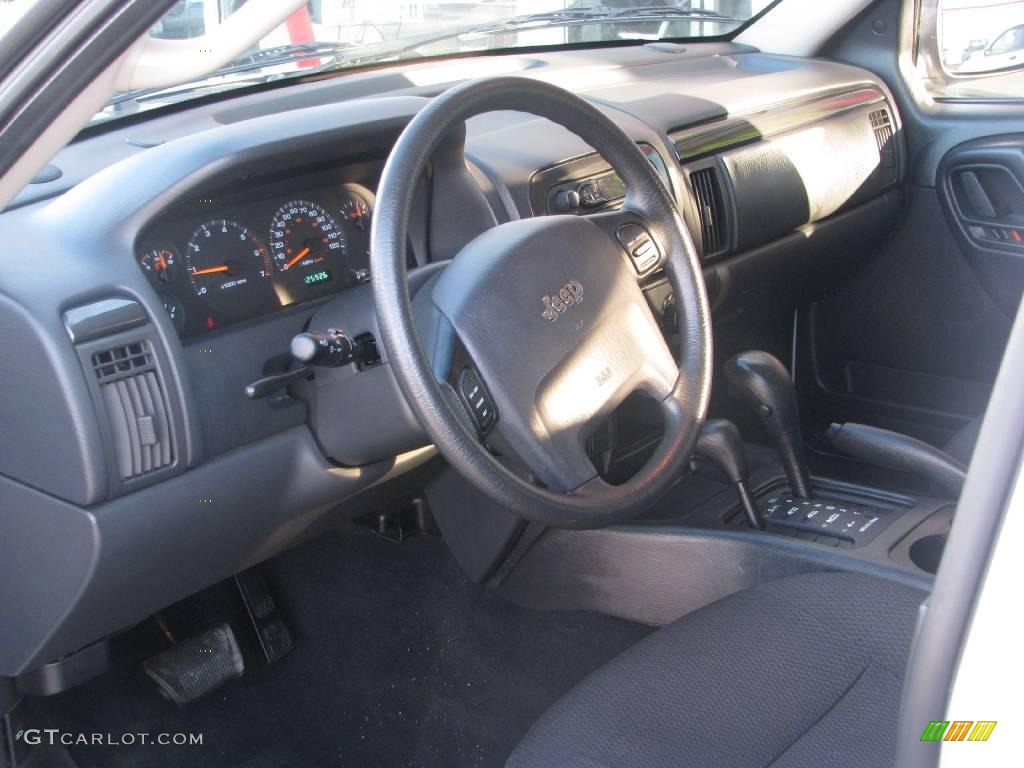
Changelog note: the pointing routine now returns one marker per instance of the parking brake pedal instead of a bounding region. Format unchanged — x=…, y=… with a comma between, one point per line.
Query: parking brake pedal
x=274, y=636
x=195, y=667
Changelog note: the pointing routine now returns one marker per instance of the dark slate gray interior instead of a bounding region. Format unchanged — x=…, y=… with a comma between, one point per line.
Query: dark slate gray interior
x=94, y=249
x=827, y=215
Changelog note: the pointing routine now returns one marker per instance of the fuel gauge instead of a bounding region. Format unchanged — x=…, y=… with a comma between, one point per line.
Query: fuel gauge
x=355, y=209
x=160, y=265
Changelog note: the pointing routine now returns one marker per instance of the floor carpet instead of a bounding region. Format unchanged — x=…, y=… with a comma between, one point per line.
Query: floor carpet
x=399, y=661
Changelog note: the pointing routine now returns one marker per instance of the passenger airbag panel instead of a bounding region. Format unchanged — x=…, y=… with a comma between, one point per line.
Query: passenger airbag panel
x=798, y=178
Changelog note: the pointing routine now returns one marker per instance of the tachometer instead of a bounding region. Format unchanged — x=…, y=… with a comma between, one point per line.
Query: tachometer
x=229, y=268
x=307, y=243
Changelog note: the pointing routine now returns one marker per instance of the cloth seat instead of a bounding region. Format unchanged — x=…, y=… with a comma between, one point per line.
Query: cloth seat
x=805, y=671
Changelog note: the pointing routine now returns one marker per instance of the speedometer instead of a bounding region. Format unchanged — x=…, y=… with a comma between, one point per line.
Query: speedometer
x=307, y=244
x=229, y=268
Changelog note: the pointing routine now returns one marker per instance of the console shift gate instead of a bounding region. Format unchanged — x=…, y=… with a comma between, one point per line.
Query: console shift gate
x=827, y=517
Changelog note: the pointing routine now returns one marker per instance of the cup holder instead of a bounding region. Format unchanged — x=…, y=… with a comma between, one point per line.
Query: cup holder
x=926, y=552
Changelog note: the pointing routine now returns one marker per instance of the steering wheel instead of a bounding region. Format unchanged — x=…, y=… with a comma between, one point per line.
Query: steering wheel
x=538, y=329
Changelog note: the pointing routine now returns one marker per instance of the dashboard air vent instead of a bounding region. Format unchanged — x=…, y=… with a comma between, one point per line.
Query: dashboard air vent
x=711, y=209
x=137, y=409
x=881, y=124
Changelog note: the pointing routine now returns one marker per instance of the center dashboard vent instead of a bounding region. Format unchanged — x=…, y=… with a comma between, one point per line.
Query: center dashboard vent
x=711, y=208
x=881, y=125
x=136, y=404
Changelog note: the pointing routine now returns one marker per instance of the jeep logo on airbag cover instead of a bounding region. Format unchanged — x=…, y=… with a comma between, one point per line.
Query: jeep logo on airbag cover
x=569, y=294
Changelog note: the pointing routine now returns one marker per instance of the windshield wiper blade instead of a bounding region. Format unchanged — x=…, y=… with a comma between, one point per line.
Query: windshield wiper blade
x=676, y=12
x=285, y=54
x=599, y=15
x=569, y=17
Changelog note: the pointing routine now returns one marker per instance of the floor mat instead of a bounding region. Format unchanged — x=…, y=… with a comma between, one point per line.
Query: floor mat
x=400, y=661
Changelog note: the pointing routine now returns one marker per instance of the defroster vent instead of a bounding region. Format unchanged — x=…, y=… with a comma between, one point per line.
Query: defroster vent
x=711, y=208
x=136, y=404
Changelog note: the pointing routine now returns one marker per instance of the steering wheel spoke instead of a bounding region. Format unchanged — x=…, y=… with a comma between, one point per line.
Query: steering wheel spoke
x=453, y=366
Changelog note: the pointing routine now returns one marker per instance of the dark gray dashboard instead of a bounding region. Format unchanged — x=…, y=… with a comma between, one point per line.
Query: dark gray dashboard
x=242, y=478
x=249, y=248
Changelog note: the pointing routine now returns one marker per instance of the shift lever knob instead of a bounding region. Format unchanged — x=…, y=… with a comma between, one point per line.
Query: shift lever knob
x=761, y=381
x=720, y=443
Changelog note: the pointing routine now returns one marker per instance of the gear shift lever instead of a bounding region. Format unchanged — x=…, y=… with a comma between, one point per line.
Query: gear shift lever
x=761, y=381
x=720, y=443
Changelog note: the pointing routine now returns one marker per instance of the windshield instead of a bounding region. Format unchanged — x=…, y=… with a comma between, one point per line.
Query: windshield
x=330, y=35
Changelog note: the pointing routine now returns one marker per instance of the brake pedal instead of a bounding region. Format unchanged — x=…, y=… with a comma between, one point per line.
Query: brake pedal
x=274, y=636
x=198, y=666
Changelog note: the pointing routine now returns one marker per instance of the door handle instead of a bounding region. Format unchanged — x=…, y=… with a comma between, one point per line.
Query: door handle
x=977, y=199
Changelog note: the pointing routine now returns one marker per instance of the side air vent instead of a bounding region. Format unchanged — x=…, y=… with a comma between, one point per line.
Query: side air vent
x=881, y=124
x=711, y=208
x=136, y=405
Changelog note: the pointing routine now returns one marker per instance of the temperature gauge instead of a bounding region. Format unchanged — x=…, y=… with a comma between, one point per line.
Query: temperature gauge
x=160, y=265
x=175, y=311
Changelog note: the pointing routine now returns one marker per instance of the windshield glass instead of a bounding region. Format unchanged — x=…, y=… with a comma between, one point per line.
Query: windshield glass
x=340, y=34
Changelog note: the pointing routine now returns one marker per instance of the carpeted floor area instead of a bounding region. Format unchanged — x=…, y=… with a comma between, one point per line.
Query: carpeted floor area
x=400, y=661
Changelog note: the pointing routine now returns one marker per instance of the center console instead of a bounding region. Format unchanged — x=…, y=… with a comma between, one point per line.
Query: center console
x=873, y=523
x=734, y=521
x=903, y=531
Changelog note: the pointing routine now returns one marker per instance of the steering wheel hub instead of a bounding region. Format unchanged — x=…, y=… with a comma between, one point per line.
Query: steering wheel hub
x=551, y=315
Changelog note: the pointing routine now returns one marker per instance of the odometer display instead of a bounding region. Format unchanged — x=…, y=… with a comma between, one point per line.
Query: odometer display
x=229, y=268
x=315, y=278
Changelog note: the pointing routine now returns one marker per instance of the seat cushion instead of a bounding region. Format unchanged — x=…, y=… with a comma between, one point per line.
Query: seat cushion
x=802, y=671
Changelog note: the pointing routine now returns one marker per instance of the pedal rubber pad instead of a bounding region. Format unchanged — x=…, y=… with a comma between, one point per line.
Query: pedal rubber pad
x=195, y=667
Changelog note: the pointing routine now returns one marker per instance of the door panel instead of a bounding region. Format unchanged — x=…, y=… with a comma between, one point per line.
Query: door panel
x=913, y=341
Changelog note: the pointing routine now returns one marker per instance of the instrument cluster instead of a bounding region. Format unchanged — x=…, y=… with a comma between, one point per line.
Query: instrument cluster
x=255, y=248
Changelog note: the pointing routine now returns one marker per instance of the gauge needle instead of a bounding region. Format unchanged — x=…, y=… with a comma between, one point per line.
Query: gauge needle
x=211, y=270
x=297, y=258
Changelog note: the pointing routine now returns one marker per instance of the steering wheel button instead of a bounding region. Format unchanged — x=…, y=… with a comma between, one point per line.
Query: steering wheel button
x=643, y=253
x=477, y=400
x=644, y=257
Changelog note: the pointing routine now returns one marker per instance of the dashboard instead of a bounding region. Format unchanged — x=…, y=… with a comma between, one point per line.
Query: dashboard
x=232, y=254
x=184, y=251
